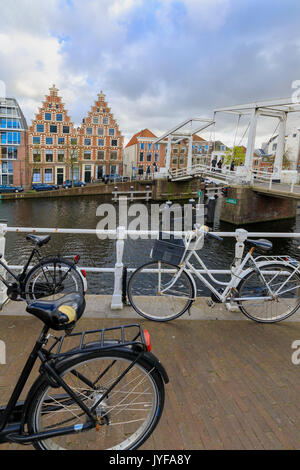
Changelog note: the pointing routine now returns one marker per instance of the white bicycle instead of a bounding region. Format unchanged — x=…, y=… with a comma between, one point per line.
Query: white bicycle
x=266, y=288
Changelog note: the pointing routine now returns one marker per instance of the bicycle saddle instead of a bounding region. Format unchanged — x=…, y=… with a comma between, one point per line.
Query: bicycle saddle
x=40, y=241
x=59, y=314
x=262, y=244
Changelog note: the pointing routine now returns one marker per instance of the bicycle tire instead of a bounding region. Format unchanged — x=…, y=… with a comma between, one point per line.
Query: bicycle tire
x=160, y=308
x=139, y=386
x=41, y=284
x=252, y=283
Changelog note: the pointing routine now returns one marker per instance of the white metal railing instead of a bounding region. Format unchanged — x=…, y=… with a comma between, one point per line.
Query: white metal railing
x=223, y=175
x=120, y=234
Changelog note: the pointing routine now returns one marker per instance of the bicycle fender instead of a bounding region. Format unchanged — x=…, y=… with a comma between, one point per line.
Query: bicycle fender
x=149, y=357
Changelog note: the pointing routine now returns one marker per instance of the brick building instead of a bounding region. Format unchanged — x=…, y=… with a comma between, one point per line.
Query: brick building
x=13, y=143
x=59, y=151
x=141, y=156
x=101, y=142
x=52, y=143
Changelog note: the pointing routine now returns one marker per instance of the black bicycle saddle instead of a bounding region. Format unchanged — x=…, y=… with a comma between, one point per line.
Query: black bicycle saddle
x=59, y=314
x=39, y=241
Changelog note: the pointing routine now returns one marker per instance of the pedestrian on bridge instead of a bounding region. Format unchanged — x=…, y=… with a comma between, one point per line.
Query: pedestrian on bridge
x=232, y=166
x=219, y=165
x=213, y=164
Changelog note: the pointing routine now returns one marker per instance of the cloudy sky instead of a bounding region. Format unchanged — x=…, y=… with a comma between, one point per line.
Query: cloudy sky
x=159, y=62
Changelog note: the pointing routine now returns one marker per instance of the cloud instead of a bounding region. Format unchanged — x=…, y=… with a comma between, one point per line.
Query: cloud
x=158, y=61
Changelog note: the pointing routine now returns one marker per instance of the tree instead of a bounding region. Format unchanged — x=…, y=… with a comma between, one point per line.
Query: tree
x=237, y=154
x=73, y=155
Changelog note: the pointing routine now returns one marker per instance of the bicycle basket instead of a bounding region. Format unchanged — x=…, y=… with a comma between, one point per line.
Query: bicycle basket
x=170, y=250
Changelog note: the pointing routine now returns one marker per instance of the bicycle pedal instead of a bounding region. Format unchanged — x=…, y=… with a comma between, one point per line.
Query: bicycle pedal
x=211, y=303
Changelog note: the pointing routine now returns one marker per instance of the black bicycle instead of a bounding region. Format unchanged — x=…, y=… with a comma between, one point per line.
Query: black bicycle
x=52, y=277
x=107, y=393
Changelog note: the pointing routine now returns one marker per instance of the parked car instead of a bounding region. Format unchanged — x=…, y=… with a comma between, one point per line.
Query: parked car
x=8, y=188
x=76, y=184
x=44, y=187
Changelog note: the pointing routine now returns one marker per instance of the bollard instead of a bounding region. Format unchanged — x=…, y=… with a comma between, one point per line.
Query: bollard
x=131, y=194
x=147, y=193
x=117, y=302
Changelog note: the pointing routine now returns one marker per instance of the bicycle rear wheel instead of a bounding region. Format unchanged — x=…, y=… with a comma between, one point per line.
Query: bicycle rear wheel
x=155, y=294
x=127, y=415
x=51, y=279
x=284, y=282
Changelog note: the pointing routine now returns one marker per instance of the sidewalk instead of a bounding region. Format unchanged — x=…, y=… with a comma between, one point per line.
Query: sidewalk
x=232, y=382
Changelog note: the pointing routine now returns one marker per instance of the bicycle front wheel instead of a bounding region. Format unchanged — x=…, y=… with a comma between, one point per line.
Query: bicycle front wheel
x=51, y=279
x=127, y=415
x=271, y=296
x=158, y=292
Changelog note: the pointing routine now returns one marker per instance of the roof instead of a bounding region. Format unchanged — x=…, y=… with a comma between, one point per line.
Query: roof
x=143, y=133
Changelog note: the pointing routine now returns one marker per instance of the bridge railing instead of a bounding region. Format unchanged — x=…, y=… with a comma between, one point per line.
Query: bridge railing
x=120, y=235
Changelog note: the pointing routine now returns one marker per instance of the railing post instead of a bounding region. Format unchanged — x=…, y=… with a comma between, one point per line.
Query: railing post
x=3, y=289
x=241, y=236
x=116, y=302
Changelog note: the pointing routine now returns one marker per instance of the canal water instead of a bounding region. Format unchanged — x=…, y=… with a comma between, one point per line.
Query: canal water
x=80, y=212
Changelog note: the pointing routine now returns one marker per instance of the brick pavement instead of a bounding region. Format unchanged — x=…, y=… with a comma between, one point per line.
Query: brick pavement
x=232, y=383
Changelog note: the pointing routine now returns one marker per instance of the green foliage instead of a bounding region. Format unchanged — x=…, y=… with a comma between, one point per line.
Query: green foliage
x=237, y=154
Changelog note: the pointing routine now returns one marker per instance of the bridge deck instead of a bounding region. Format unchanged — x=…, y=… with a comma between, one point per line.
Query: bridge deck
x=232, y=383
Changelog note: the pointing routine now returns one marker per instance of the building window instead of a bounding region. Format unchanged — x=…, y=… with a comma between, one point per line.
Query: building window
x=48, y=175
x=100, y=131
x=10, y=153
x=142, y=146
x=175, y=150
x=141, y=156
x=36, y=175
x=40, y=127
x=73, y=141
x=95, y=120
x=149, y=146
x=105, y=120
x=66, y=129
x=156, y=146
x=87, y=141
x=61, y=140
x=49, y=140
x=89, y=130
x=156, y=156
x=49, y=156
x=36, y=140
x=48, y=116
x=101, y=142
x=182, y=150
x=274, y=147
x=149, y=157
x=60, y=156
x=100, y=155
x=111, y=131
x=113, y=155
x=87, y=155
x=53, y=129
x=36, y=156
x=114, y=143
x=59, y=117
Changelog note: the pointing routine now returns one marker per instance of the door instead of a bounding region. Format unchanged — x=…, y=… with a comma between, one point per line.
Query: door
x=87, y=173
x=59, y=176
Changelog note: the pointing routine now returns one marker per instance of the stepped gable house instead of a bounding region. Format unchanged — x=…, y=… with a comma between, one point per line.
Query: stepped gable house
x=101, y=142
x=52, y=143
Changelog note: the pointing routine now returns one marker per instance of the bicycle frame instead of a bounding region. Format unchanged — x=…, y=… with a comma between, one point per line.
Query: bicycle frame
x=13, y=415
x=19, y=278
x=236, y=276
x=14, y=409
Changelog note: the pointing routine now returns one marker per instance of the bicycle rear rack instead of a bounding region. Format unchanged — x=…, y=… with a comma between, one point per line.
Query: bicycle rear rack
x=102, y=339
x=282, y=258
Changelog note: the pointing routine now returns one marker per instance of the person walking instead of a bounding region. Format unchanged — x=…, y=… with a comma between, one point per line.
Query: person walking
x=232, y=166
x=219, y=165
x=213, y=164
